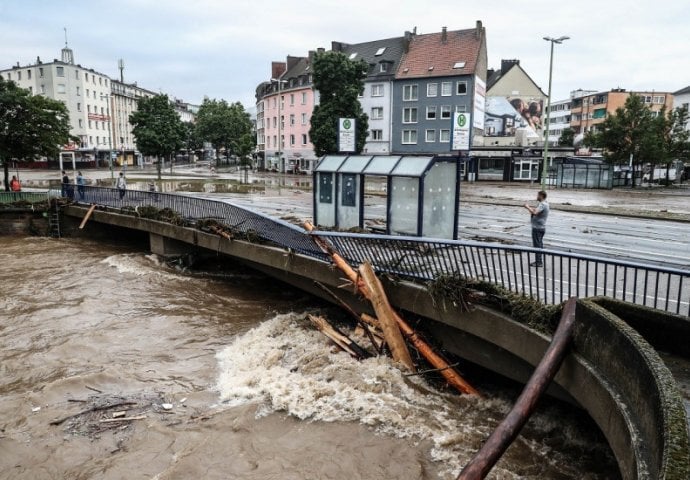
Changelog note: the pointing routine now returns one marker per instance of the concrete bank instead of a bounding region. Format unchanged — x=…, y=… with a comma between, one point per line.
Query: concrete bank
x=613, y=373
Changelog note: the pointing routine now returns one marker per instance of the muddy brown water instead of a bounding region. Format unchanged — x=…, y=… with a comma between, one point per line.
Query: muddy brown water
x=255, y=392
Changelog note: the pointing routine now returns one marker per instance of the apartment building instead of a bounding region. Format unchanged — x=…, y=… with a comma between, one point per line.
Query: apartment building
x=681, y=99
x=590, y=110
x=439, y=73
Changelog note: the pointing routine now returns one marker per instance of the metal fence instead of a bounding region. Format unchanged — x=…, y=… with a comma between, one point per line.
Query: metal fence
x=563, y=274
x=28, y=197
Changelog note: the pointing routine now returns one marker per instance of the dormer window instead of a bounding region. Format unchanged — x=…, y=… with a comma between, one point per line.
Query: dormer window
x=383, y=67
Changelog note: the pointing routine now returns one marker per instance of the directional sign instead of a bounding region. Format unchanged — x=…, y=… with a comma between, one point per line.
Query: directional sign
x=346, y=135
x=461, y=131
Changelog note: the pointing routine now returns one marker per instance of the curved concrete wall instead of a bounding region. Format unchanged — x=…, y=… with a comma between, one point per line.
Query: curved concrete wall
x=613, y=372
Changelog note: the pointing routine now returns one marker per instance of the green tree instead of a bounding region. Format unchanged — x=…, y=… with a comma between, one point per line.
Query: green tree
x=223, y=125
x=339, y=81
x=192, y=140
x=567, y=138
x=30, y=126
x=157, y=128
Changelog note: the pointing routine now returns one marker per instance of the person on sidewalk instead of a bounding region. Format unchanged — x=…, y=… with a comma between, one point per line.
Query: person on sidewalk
x=121, y=185
x=539, y=214
x=80, y=185
x=15, y=186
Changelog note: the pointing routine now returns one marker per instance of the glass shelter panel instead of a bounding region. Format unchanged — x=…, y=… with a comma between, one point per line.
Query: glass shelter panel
x=404, y=206
x=412, y=166
x=354, y=164
x=330, y=163
x=381, y=165
x=439, y=199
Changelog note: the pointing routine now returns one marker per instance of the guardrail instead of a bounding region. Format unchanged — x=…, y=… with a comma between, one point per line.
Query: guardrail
x=29, y=197
x=563, y=274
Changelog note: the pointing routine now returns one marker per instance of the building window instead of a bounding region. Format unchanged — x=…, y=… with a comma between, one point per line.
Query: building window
x=383, y=67
x=377, y=134
x=446, y=89
x=40, y=72
x=445, y=111
x=292, y=140
x=292, y=119
x=81, y=123
x=76, y=74
x=292, y=99
x=90, y=124
x=432, y=89
x=268, y=142
x=43, y=88
x=409, y=137
x=31, y=90
x=19, y=75
x=60, y=71
x=430, y=136
x=275, y=122
x=78, y=91
x=28, y=74
x=410, y=115
x=431, y=112
x=78, y=107
x=304, y=139
x=304, y=98
x=377, y=90
x=377, y=113
x=444, y=136
x=660, y=100
x=461, y=88
x=100, y=80
x=90, y=139
x=410, y=93
x=461, y=108
x=60, y=88
x=304, y=119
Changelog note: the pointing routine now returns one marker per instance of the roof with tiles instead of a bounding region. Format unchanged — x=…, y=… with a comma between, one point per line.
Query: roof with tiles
x=430, y=55
x=388, y=51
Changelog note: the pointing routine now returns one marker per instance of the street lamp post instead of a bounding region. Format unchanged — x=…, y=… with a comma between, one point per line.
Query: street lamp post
x=280, y=119
x=553, y=41
x=110, y=143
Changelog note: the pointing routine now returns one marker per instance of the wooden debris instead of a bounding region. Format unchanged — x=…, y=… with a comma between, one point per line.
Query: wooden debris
x=221, y=232
x=339, y=338
x=508, y=430
x=432, y=357
x=87, y=216
x=89, y=410
x=386, y=317
x=119, y=414
x=123, y=419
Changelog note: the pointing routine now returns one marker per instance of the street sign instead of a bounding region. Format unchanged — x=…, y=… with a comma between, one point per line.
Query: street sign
x=346, y=135
x=113, y=155
x=461, y=131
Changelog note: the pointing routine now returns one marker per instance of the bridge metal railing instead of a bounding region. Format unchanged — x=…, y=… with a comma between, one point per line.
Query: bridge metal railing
x=563, y=275
x=194, y=209
x=24, y=196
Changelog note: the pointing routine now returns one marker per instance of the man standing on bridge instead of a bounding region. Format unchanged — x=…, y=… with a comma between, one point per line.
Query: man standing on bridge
x=539, y=214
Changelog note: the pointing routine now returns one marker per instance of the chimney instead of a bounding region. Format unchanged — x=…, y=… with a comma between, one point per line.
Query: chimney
x=311, y=56
x=406, y=41
x=320, y=50
x=38, y=61
x=508, y=64
x=277, y=69
x=478, y=30
x=444, y=34
x=338, y=46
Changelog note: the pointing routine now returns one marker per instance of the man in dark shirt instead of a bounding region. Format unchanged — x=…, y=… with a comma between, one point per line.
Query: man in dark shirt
x=539, y=214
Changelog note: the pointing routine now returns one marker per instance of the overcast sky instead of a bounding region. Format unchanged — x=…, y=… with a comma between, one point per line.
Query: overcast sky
x=223, y=49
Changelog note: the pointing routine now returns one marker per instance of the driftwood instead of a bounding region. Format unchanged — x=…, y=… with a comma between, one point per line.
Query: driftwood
x=62, y=420
x=510, y=427
x=122, y=419
x=87, y=216
x=220, y=231
x=432, y=357
x=367, y=328
x=386, y=316
x=339, y=338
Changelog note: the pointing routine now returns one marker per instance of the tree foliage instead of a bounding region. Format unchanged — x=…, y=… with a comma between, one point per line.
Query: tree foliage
x=339, y=81
x=192, y=140
x=567, y=138
x=157, y=127
x=30, y=126
x=224, y=125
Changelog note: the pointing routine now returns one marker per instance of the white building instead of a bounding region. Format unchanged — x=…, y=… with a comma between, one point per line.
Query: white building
x=124, y=98
x=559, y=120
x=84, y=91
x=681, y=99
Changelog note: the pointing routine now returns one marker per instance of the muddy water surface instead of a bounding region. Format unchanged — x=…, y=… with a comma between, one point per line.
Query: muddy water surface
x=253, y=392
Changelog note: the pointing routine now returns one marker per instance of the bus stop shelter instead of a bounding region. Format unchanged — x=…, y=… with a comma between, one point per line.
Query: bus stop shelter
x=423, y=193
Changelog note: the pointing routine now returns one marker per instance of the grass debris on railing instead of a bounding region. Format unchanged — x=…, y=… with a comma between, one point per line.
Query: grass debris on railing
x=462, y=292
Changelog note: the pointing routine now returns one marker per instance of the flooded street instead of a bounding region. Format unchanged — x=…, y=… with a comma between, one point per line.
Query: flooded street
x=254, y=392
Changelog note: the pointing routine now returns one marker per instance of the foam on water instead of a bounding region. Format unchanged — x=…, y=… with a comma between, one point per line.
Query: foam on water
x=284, y=365
x=141, y=265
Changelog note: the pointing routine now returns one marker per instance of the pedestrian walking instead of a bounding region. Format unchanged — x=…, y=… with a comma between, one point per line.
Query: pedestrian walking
x=538, y=214
x=15, y=186
x=80, y=185
x=121, y=185
x=67, y=188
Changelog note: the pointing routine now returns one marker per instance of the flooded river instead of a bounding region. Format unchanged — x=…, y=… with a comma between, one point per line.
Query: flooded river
x=221, y=377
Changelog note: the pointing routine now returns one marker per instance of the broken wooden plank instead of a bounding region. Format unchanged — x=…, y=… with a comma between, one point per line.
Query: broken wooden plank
x=87, y=216
x=338, y=337
x=123, y=419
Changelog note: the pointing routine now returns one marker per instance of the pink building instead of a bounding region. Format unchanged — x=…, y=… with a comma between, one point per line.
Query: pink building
x=284, y=108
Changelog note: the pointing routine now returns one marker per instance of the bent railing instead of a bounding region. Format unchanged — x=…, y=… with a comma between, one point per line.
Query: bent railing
x=563, y=275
